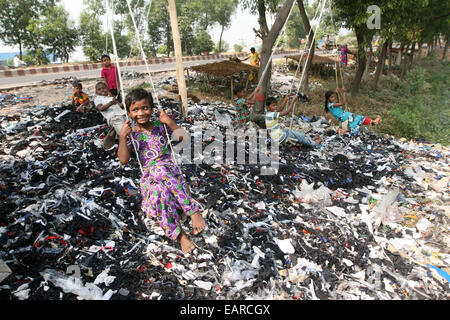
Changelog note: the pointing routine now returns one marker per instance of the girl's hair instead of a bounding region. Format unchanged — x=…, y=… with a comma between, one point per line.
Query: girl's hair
x=238, y=89
x=137, y=95
x=270, y=100
x=328, y=94
x=105, y=56
x=78, y=85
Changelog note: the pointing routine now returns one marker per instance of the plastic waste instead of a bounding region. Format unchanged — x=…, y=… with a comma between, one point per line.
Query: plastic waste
x=308, y=194
x=73, y=285
x=203, y=284
x=22, y=292
x=223, y=119
x=415, y=172
x=441, y=272
x=80, y=210
x=423, y=224
x=285, y=245
x=5, y=271
x=386, y=210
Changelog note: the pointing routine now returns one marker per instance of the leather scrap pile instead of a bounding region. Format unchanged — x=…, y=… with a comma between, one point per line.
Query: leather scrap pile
x=361, y=218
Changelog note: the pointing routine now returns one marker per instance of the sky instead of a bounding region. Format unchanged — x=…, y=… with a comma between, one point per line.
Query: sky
x=241, y=29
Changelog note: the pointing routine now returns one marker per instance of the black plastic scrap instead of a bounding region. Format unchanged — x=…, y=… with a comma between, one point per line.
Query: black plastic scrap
x=71, y=226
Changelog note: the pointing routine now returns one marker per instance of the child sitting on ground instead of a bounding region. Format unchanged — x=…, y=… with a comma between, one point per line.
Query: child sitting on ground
x=242, y=104
x=281, y=135
x=79, y=99
x=115, y=116
x=349, y=121
x=162, y=184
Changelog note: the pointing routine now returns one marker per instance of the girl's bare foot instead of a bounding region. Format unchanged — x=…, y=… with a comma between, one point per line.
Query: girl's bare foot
x=185, y=243
x=198, y=223
x=377, y=120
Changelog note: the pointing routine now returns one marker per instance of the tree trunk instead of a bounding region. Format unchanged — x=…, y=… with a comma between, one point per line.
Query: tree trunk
x=220, y=40
x=411, y=58
x=307, y=26
x=269, y=37
x=444, y=55
x=398, y=61
x=390, y=57
x=361, y=62
x=369, y=60
x=381, y=63
x=404, y=63
x=178, y=57
x=20, y=49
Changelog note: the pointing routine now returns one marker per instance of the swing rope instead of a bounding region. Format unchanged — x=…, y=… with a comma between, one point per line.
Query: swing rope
x=109, y=13
x=337, y=64
x=155, y=93
x=150, y=76
x=304, y=51
x=307, y=59
x=131, y=47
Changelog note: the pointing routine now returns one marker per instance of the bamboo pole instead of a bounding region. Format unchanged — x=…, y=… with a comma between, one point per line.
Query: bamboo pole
x=178, y=56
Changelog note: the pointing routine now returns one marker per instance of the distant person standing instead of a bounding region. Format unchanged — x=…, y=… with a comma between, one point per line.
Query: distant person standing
x=18, y=63
x=254, y=61
x=344, y=53
x=110, y=76
x=254, y=57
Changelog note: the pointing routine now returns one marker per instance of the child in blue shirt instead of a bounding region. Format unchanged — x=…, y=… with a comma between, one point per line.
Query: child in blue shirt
x=349, y=121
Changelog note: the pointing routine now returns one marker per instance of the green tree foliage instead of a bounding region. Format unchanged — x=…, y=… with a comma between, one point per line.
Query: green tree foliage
x=34, y=44
x=353, y=15
x=59, y=34
x=159, y=30
x=93, y=37
x=223, y=10
x=203, y=43
x=295, y=30
x=238, y=48
x=16, y=16
x=222, y=46
x=52, y=33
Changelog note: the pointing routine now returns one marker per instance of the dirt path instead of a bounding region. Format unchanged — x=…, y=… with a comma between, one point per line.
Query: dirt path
x=21, y=100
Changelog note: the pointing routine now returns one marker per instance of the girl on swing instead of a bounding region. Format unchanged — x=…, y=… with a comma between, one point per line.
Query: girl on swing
x=349, y=121
x=163, y=187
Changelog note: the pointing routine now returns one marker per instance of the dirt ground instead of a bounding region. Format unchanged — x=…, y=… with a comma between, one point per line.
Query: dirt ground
x=30, y=98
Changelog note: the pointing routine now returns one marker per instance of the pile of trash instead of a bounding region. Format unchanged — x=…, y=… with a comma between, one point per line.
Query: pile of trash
x=360, y=218
x=65, y=81
x=9, y=99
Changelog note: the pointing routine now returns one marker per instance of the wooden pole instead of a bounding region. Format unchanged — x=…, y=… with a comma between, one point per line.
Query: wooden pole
x=231, y=87
x=178, y=56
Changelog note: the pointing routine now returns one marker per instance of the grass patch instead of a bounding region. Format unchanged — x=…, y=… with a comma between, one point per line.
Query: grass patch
x=416, y=108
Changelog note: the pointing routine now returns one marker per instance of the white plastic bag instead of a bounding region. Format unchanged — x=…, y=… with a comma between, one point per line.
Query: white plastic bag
x=386, y=211
x=73, y=285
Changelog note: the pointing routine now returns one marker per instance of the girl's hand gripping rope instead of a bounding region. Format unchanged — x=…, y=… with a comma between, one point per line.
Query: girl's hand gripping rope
x=126, y=130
